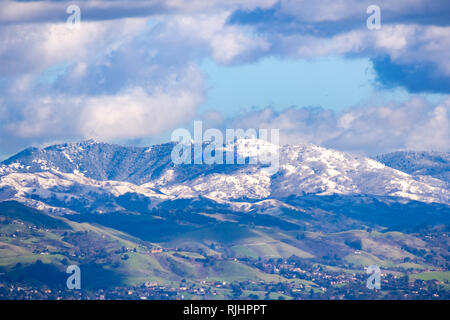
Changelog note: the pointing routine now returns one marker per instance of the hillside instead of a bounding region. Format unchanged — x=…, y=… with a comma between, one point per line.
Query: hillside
x=217, y=231
x=435, y=164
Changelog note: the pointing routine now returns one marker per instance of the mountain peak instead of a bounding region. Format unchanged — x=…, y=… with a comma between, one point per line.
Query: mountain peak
x=302, y=169
x=71, y=145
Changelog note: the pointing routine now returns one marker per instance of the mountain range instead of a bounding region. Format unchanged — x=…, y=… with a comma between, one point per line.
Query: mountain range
x=435, y=164
x=90, y=175
x=396, y=208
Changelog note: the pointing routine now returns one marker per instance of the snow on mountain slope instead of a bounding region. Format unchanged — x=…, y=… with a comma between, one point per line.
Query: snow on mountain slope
x=435, y=164
x=313, y=169
x=97, y=172
x=56, y=192
x=310, y=169
x=95, y=160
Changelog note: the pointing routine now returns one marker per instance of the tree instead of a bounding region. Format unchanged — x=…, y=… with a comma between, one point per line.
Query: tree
x=236, y=289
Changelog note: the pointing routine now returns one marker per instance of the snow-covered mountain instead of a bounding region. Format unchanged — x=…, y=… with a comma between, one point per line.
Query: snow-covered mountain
x=435, y=164
x=99, y=177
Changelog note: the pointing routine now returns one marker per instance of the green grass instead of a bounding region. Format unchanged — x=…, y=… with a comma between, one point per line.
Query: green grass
x=411, y=265
x=27, y=259
x=433, y=275
x=16, y=210
x=270, y=249
x=241, y=251
x=188, y=255
x=364, y=259
x=277, y=295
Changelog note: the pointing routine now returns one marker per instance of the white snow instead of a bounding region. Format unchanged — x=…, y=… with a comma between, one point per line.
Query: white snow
x=303, y=169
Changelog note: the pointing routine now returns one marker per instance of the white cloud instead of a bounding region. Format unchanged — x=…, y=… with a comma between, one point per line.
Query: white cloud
x=136, y=114
x=414, y=125
x=17, y=12
x=434, y=133
x=120, y=79
x=404, y=44
x=131, y=113
x=209, y=34
x=339, y=10
x=31, y=48
x=134, y=77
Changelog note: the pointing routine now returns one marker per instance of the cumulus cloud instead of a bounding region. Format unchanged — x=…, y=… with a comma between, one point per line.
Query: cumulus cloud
x=114, y=79
x=119, y=79
x=31, y=48
x=131, y=113
x=130, y=70
x=210, y=32
x=412, y=125
x=136, y=114
x=342, y=10
x=414, y=35
x=416, y=55
x=19, y=12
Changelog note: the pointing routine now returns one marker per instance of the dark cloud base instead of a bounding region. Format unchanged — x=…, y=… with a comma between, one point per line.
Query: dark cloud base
x=416, y=78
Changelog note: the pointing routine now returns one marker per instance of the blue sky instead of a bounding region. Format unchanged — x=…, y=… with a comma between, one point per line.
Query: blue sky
x=331, y=82
x=134, y=71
